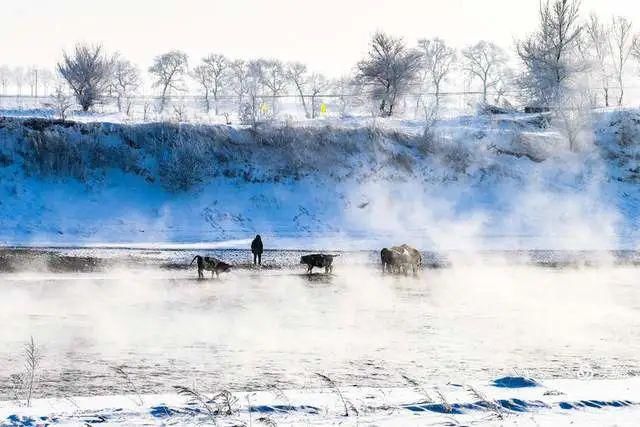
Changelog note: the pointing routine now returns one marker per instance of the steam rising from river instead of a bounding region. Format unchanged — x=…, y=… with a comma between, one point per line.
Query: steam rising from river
x=251, y=329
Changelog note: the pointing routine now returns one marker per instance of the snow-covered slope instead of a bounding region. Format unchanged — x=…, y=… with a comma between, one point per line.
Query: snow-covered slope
x=501, y=181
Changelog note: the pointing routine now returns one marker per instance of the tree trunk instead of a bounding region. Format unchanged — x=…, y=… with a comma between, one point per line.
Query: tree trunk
x=304, y=104
x=620, y=97
x=163, y=98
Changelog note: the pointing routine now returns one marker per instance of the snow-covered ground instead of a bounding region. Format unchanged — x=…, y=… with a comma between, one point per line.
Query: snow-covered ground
x=506, y=401
x=475, y=182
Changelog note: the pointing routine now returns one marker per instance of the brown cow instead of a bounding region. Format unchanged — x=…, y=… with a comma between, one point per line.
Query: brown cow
x=318, y=260
x=400, y=259
x=212, y=264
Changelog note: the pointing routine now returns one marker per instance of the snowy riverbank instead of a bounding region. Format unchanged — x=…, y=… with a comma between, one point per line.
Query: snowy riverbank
x=476, y=182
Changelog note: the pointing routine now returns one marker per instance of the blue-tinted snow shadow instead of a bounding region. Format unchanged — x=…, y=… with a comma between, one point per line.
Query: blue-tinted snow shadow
x=514, y=382
x=515, y=405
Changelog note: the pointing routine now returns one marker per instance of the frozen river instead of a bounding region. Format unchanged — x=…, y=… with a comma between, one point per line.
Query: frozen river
x=471, y=319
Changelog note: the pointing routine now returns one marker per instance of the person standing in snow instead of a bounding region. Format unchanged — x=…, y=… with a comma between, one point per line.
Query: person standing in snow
x=256, y=250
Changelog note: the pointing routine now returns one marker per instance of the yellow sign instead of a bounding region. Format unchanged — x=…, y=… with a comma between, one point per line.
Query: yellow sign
x=323, y=108
x=264, y=108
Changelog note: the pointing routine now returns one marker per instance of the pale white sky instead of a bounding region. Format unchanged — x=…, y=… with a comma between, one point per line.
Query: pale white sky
x=328, y=35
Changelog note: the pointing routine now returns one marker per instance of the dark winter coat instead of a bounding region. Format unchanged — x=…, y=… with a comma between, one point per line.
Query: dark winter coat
x=256, y=245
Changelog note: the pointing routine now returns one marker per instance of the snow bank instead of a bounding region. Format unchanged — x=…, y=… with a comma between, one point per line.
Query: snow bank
x=471, y=182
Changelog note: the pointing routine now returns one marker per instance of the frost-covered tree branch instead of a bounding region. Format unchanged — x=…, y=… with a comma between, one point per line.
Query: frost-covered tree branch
x=620, y=46
x=484, y=61
x=214, y=72
x=437, y=61
x=598, y=49
x=169, y=70
x=125, y=82
x=297, y=74
x=86, y=71
x=389, y=69
x=549, y=56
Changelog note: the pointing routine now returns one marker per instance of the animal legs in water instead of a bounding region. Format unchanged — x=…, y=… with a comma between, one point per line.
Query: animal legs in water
x=200, y=274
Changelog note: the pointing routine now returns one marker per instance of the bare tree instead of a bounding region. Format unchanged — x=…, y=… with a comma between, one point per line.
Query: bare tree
x=317, y=84
x=212, y=75
x=5, y=76
x=549, y=55
x=202, y=75
x=251, y=110
x=273, y=77
x=349, y=92
x=86, y=71
x=621, y=42
x=297, y=73
x=32, y=80
x=635, y=47
x=36, y=78
x=18, y=78
x=125, y=82
x=389, y=69
x=219, y=68
x=45, y=78
x=61, y=102
x=169, y=70
x=437, y=60
x=485, y=61
x=598, y=37
x=239, y=70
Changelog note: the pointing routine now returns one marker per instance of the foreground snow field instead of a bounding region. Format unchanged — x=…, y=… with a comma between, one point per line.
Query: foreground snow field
x=507, y=401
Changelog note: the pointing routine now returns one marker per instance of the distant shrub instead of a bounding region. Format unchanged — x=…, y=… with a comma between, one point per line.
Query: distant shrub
x=247, y=114
x=63, y=152
x=186, y=162
x=181, y=156
x=50, y=154
x=457, y=156
x=628, y=132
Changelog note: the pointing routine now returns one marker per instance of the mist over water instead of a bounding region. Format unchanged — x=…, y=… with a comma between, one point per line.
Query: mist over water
x=252, y=329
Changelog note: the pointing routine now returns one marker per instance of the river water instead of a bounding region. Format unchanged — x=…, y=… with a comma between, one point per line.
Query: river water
x=474, y=317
